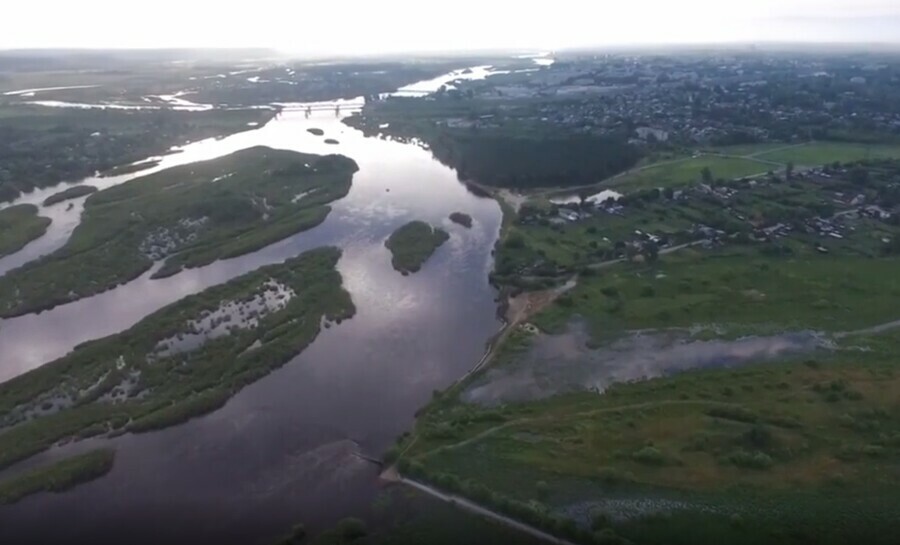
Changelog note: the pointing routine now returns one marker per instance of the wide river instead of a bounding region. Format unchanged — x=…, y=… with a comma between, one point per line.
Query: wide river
x=283, y=450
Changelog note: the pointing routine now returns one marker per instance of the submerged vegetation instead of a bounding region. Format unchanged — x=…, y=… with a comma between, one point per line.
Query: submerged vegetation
x=19, y=225
x=71, y=193
x=57, y=477
x=190, y=216
x=181, y=361
x=412, y=244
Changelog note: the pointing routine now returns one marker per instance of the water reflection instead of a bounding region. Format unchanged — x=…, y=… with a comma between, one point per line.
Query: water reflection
x=282, y=450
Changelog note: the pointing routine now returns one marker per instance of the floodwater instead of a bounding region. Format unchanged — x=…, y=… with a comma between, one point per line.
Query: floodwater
x=284, y=449
x=562, y=363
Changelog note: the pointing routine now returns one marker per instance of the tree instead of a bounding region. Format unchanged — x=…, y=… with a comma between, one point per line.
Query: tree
x=707, y=175
x=789, y=170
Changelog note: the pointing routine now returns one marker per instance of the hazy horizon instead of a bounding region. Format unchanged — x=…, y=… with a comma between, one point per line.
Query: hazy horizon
x=395, y=26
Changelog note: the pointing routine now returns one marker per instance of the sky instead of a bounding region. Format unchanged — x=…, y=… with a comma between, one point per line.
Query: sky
x=388, y=26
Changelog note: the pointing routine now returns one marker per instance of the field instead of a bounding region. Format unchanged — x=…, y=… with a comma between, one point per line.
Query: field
x=736, y=291
x=793, y=452
x=412, y=244
x=685, y=172
x=821, y=153
x=57, y=477
x=19, y=225
x=190, y=216
x=185, y=359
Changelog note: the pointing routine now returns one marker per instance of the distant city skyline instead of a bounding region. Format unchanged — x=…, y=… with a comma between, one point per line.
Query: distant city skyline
x=392, y=26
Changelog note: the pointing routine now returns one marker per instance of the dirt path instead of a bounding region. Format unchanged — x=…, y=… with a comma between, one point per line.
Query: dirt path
x=472, y=507
x=594, y=412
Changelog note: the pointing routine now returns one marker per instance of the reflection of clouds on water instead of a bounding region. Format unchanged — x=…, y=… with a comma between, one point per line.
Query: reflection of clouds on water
x=564, y=363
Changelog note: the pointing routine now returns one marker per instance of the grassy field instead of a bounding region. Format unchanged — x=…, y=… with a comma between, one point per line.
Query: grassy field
x=58, y=477
x=686, y=172
x=821, y=153
x=71, y=193
x=190, y=215
x=19, y=225
x=412, y=244
x=167, y=368
x=789, y=452
x=736, y=290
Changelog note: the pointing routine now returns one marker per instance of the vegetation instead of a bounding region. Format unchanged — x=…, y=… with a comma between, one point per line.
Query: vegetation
x=145, y=377
x=688, y=171
x=58, y=477
x=190, y=216
x=826, y=153
x=41, y=147
x=462, y=219
x=19, y=225
x=412, y=244
x=504, y=156
x=71, y=193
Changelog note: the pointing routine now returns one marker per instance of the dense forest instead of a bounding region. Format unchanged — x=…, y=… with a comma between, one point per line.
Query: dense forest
x=534, y=162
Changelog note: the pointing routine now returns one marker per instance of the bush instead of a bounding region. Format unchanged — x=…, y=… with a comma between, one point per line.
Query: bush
x=648, y=291
x=750, y=460
x=542, y=490
x=758, y=437
x=351, y=528
x=600, y=520
x=649, y=456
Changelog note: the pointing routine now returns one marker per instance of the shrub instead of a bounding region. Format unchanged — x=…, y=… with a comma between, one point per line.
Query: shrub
x=351, y=528
x=750, y=460
x=649, y=456
x=648, y=291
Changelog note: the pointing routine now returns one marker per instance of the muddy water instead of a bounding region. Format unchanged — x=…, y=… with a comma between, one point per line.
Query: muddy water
x=282, y=450
x=562, y=363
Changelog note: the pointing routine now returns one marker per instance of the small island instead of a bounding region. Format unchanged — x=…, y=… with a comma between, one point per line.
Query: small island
x=57, y=477
x=19, y=225
x=463, y=219
x=412, y=245
x=67, y=194
x=315, y=131
x=331, y=141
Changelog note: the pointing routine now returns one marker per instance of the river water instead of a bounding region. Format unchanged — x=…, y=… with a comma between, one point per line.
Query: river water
x=283, y=450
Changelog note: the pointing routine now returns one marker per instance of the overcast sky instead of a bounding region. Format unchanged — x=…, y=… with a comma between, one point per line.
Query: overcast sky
x=378, y=26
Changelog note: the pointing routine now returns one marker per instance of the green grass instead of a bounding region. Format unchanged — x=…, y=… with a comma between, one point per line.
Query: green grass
x=58, y=477
x=181, y=214
x=829, y=432
x=741, y=290
x=158, y=389
x=19, y=225
x=749, y=150
x=71, y=193
x=412, y=244
x=687, y=172
x=821, y=153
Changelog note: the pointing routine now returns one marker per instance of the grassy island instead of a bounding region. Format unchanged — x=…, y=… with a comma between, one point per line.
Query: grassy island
x=188, y=216
x=462, y=219
x=183, y=360
x=19, y=225
x=412, y=245
x=58, y=477
x=67, y=194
